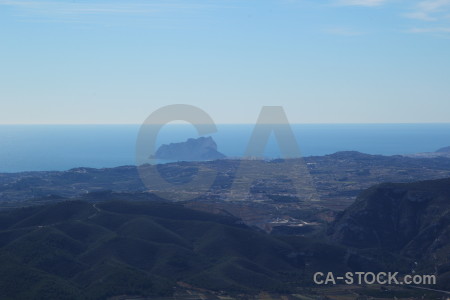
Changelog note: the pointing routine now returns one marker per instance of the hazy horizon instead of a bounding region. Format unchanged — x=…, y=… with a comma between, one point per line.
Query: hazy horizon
x=188, y=124
x=62, y=147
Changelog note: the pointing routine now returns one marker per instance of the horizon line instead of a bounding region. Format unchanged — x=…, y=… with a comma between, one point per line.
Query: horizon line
x=291, y=123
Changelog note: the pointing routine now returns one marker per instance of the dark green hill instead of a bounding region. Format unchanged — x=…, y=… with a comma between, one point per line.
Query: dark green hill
x=96, y=250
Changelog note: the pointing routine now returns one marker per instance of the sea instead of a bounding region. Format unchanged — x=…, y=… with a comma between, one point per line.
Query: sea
x=63, y=147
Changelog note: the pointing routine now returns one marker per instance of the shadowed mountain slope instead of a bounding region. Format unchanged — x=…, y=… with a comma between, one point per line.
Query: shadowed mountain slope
x=412, y=220
x=95, y=250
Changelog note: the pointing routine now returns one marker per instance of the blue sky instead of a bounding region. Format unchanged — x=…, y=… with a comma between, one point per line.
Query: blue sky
x=327, y=61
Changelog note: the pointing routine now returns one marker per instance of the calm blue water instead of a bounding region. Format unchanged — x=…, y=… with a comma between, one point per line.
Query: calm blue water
x=62, y=147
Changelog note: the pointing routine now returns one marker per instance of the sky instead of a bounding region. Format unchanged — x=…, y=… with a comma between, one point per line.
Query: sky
x=323, y=61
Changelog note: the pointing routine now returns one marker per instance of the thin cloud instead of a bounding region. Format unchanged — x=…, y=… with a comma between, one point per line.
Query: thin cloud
x=435, y=11
x=420, y=15
x=431, y=30
x=66, y=8
x=430, y=10
x=433, y=5
x=368, y=3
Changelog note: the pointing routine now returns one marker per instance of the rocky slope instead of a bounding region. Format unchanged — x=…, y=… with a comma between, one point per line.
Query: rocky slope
x=411, y=220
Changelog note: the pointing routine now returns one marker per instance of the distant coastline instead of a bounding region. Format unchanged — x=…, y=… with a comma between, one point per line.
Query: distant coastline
x=63, y=147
